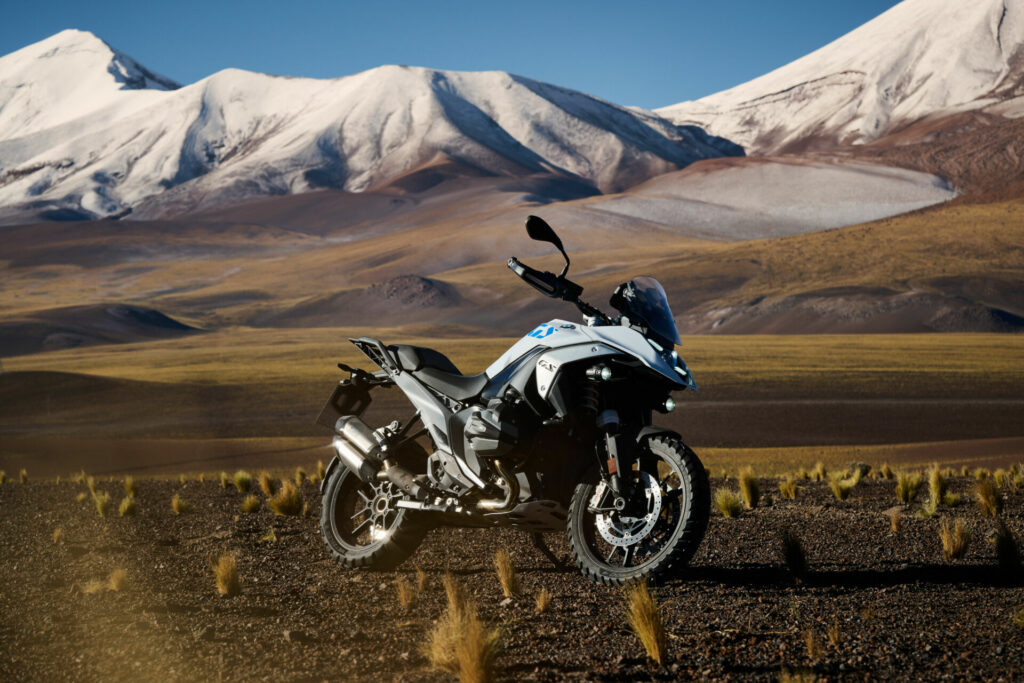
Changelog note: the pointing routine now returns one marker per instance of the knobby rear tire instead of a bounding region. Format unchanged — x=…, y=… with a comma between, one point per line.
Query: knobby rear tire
x=406, y=535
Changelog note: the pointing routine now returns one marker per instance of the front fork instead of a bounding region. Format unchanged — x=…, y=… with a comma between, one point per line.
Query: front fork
x=617, y=460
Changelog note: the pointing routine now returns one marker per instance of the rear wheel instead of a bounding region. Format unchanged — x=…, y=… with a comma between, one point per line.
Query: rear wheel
x=655, y=540
x=361, y=525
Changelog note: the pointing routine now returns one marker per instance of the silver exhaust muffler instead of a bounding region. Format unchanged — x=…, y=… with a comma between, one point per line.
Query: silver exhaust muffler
x=357, y=447
x=360, y=450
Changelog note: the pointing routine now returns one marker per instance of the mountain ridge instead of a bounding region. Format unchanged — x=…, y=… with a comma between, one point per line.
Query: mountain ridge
x=920, y=58
x=237, y=134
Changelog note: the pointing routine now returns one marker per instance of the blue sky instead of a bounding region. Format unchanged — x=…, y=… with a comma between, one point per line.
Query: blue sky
x=643, y=53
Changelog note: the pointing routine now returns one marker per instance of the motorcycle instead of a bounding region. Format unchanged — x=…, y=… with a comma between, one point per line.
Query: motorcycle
x=555, y=435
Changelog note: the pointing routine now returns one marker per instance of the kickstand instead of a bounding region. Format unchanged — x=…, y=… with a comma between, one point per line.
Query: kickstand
x=540, y=544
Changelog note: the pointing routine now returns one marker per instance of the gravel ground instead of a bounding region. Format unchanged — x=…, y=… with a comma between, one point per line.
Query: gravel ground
x=899, y=610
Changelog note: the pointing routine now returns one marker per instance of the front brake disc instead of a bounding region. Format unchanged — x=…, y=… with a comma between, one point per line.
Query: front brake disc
x=623, y=530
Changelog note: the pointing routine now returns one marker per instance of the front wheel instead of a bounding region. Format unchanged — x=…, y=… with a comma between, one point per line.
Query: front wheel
x=655, y=539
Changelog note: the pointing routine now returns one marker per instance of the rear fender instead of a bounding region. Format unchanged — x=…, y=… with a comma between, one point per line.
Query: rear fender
x=335, y=462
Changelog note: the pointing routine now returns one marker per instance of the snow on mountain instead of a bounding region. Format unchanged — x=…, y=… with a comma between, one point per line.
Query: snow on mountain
x=88, y=132
x=919, y=58
x=67, y=76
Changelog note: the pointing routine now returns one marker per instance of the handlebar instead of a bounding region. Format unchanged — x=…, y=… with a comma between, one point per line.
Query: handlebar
x=554, y=286
x=544, y=282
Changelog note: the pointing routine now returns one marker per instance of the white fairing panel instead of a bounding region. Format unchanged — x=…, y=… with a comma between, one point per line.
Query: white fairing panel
x=558, y=334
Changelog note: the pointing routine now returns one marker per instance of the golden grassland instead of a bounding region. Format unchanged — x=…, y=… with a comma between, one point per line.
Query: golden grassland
x=872, y=364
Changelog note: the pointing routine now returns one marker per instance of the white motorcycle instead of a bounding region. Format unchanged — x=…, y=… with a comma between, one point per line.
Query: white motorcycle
x=556, y=434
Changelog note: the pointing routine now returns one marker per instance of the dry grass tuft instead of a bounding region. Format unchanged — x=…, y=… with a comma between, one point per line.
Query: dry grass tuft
x=1002, y=478
x=788, y=488
x=179, y=505
x=182, y=479
x=813, y=646
x=803, y=474
x=202, y=477
x=320, y=470
x=1007, y=552
x=102, y=501
x=835, y=636
x=965, y=471
x=58, y=535
x=225, y=571
x=23, y=476
x=928, y=509
x=421, y=580
x=287, y=501
x=645, y=620
x=543, y=601
x=81, y=497
x=796, y=676
x=80, y=477
x=841, y=487
x=981, y=473
x=3, y=477
x=224, y=480
x=267, y=484
x=406, y=595
x=728, y=503
x=117, y=580
x=93, y=586
x=127, y=507
x=937, y=484
x=90, y=483
x=895, y=520
x=819, y=472
x=1018, y=616
x=886, y=471
x=300, y=476
x=749, y=488
x=907, y=485
x=461, y=643
x=250, y=504
x=793, y=555
x=954, y=538
x=989, y=499
x=243, y=481
x=129, y=487
x=270, y=536
x=506, y=574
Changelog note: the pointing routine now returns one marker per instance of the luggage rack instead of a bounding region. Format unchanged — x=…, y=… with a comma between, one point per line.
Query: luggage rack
x=375, y=350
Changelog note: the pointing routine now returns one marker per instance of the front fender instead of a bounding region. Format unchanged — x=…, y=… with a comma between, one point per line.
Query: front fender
x=652, y=431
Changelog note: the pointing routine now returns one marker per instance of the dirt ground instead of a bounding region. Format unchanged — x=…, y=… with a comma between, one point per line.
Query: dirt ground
x=898, y=609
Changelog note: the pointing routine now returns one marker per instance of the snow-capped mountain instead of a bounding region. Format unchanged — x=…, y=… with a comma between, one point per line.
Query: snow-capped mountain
x=86, y=130
x=921, y=57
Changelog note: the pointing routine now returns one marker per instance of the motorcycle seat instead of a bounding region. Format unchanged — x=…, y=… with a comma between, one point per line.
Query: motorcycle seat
x=435, y=370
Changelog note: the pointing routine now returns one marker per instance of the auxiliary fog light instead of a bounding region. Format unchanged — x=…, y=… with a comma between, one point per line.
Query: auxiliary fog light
x=668, y=405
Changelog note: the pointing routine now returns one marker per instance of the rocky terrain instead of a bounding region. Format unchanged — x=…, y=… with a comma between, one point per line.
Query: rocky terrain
x=894, y=607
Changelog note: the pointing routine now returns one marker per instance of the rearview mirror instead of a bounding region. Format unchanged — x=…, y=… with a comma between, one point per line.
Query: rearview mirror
x=538, y=229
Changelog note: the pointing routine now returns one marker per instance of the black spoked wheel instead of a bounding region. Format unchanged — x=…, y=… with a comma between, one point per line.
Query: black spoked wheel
x=659, y=534
x=361, y=525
